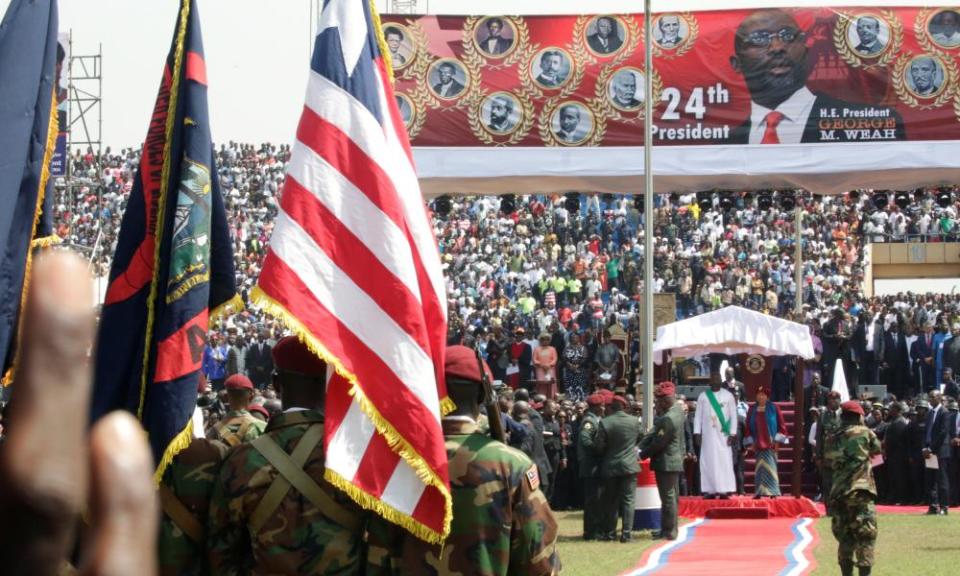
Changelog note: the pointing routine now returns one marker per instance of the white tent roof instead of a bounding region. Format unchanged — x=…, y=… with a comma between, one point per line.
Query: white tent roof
x=734, y=330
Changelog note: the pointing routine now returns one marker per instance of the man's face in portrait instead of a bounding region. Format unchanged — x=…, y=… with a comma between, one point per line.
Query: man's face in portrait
x=771, y=55
x=867, y=30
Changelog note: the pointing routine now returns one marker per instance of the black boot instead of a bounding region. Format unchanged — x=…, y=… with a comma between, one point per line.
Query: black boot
x=846, y=568
x=865, y=570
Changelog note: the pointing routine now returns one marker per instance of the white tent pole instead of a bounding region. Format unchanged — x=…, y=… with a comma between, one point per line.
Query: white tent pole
x=798, y=256
x=649, y=223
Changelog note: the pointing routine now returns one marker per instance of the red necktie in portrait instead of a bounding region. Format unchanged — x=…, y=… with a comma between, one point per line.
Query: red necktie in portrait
x=770, y=133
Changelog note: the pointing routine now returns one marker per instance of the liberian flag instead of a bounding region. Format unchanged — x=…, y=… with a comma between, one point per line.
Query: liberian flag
x=353, y=269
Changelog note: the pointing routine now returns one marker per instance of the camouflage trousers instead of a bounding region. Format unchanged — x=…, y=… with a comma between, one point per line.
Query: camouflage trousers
x=854, y=525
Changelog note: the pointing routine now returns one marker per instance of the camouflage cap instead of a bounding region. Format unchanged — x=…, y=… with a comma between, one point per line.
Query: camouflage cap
x=952, y=405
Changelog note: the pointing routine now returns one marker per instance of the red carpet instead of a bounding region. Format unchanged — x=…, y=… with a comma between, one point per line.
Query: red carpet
x=775, y=547
x=783, y=507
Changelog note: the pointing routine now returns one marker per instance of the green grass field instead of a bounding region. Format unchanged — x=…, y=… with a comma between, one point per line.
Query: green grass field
x=907, y=546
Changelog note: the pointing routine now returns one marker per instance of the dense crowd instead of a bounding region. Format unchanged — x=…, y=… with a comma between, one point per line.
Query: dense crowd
x=538, y=282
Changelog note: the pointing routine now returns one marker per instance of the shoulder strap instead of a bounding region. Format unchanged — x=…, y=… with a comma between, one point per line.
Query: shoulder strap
x=180, y=514
x=292, y=474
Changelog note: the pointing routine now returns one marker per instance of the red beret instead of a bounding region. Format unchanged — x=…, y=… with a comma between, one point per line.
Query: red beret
x=595, y=400
x=292, y=355
x=621, y=401
x=238, y=382
x=607, y=396
x=258, y=409
x=461, y=362
x=665, y=389
x=852, y=406
x=833, y=394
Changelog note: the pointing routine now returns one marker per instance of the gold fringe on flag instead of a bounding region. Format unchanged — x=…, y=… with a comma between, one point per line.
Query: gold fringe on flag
x=396, y=442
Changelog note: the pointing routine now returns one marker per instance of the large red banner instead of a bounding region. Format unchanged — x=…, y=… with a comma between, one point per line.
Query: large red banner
x=802, y=76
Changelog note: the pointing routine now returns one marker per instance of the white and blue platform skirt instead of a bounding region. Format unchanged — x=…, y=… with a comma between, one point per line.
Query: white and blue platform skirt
x=646, y=501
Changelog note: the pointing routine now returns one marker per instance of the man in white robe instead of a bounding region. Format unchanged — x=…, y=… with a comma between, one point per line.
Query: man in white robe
x=714, y=430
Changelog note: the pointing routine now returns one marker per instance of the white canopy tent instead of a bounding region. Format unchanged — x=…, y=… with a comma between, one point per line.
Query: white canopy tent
x=734, y=330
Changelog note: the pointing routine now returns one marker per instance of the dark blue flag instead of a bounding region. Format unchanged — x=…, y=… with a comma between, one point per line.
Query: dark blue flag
x=28, y=74
x=173, y=268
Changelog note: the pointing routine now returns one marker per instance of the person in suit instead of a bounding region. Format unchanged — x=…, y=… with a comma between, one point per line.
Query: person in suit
x=896, y=454
x=950, y=386
x=551, y=69
x=868, y=31
x=394, y=38
x=836, y=346
x=501, y=108
x=605, y=40
x=923, y=75
x=950, y=351
x=448, y=86
x=771, y=55
x=868, y=346
x=943, y=437
x=495, y=44
x=895, y=370
x=569, y=131
x=259, y=360
x=922, y=353
x=625, y=91
x=669, y=26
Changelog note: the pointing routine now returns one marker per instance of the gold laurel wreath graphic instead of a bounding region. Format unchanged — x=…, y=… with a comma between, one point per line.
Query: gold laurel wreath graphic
x=419, y=118
x=546, y=131
x=693, y=30
x=949, y=81
x=420, y=40
x=601, y=101
x=842, y=27
x=523, y=128
x=956, y=106
x=921, y=29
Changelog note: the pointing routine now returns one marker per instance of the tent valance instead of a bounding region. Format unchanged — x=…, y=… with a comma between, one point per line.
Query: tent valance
x=734, y=330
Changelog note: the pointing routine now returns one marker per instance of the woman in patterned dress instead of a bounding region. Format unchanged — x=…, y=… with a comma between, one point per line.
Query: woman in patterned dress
x=766, y=431
x=575, y=369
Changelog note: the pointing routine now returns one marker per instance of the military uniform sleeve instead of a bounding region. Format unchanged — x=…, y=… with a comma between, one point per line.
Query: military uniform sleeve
x=588, y=434
x=873, y=445
x=533, y=535
x=600, y=439
x=227, y=544
x=658, y=440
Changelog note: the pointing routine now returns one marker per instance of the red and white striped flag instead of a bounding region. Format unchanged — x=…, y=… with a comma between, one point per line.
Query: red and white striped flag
x=353, y=269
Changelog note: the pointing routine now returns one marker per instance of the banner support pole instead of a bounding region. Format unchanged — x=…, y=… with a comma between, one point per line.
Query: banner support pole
x=649, y=222
x=798, y=255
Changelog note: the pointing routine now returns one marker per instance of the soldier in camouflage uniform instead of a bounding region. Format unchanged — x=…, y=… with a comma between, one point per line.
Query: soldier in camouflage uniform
x=590, y=467
x=825, y=452
x=664, y=445
x=238, y=425
x=854, y=491
x=259, y=522
x=185, y=497
x=502, y=523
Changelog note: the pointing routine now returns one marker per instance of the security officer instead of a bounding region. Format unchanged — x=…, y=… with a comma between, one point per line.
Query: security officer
x=854, y=492
x=664, y=445
x=590, y=467
x=616, y=442
x=824, y=454
x=238, y=425
x=265, y=516
x=502, y=522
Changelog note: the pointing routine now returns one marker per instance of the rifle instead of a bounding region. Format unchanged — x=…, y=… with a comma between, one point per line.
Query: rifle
x=490, y=402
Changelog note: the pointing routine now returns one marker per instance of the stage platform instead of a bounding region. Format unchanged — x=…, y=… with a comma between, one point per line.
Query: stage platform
x=782, y=507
